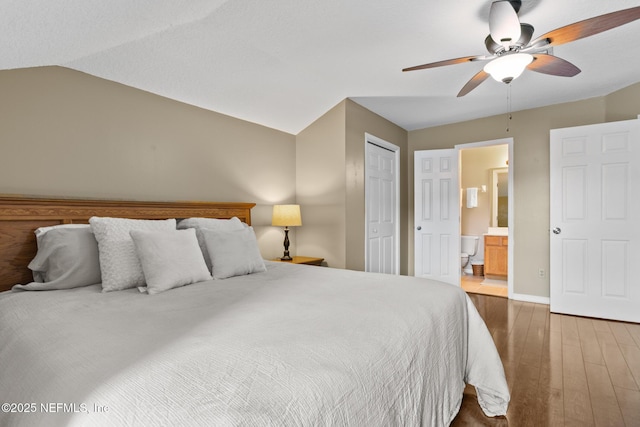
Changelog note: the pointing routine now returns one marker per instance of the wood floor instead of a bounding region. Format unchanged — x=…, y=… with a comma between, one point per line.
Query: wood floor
x=561, y=370
x=478, y=285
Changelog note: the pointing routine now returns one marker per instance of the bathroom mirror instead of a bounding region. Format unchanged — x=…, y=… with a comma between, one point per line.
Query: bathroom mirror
x=499, y=197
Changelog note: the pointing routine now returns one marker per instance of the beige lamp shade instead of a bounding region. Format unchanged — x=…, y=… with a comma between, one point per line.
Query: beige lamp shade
x=286, y=215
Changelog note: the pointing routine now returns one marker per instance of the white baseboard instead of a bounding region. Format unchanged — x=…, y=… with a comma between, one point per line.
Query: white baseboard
x=530, y=298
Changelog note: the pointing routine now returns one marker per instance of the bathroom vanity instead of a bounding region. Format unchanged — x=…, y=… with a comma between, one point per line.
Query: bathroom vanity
x=496, y=250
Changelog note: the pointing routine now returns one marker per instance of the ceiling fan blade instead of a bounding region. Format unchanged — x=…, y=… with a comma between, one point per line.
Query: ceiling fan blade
x=446, y=62
x=504, y=25
x=589, y=27
x=549, y=64
x=473, y=83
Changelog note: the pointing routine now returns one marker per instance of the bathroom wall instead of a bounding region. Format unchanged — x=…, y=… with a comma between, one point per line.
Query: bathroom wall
x=476, y=166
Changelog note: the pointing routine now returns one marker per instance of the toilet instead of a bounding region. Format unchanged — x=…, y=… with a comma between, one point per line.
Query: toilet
x=468, y=248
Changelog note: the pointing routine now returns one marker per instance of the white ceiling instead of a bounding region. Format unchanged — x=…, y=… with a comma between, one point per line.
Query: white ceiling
x=284, y=63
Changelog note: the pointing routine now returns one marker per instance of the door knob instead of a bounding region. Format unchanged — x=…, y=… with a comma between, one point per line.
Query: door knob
x=557, y=230
x=419, y=228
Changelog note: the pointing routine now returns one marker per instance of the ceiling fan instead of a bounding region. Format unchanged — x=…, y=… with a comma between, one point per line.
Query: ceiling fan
x=511, y=49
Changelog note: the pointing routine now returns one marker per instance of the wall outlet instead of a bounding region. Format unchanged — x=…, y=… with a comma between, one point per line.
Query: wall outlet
x=541, y=273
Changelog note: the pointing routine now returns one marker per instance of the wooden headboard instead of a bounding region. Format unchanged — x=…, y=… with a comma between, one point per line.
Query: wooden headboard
x=20, y=216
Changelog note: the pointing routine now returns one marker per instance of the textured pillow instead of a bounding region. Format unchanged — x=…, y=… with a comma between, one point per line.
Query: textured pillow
x=169, y=259
x=67, y=258
x=119, y=262
x=210, y=224
x=233, y=253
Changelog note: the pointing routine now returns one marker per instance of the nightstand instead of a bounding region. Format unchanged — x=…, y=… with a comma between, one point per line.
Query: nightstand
x=303, y=260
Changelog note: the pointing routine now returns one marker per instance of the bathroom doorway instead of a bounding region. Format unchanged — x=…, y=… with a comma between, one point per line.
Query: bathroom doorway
x=486, y=172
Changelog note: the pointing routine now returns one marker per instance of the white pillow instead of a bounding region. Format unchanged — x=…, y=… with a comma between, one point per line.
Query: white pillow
x=169, y=259
x=210, y=224
x=233, y=253
x=119, y=262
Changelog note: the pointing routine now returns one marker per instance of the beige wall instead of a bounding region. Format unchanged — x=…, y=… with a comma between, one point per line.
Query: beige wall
x=623, y=104
x=321, y=188
x=530, y=131
x=360, y=121
x=330, y=184
x=65, y=133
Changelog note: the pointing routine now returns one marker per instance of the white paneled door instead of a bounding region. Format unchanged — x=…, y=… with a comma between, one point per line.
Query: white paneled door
x=594, y=221
x=437, y=215
x=382, y=208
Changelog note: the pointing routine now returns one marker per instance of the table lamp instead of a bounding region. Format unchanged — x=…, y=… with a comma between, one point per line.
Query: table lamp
x=286, y=216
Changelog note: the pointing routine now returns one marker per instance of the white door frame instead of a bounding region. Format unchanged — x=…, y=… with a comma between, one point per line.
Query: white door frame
x=510, y=215
x=368, y=138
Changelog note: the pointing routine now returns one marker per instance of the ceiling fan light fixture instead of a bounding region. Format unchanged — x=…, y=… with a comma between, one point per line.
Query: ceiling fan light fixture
x=511, y=49
x=526, y=33
x=508, y=67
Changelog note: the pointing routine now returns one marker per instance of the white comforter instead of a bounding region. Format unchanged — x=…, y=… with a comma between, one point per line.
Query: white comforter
x=296, y=345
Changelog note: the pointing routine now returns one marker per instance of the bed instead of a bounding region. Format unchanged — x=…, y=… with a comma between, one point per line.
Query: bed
x=284, y=345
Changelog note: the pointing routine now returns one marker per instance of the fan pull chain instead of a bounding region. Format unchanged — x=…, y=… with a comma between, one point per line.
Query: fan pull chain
x=509, y=117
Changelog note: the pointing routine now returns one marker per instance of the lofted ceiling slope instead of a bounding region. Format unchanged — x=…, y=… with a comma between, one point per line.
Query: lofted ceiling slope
x=284, y=63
